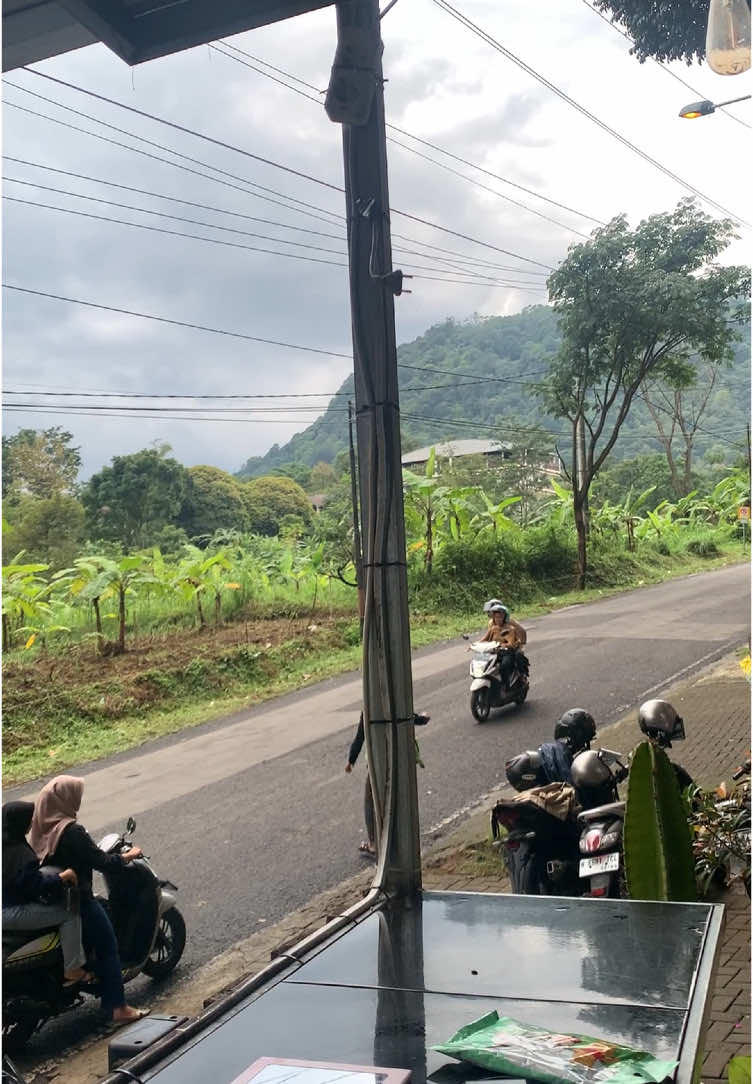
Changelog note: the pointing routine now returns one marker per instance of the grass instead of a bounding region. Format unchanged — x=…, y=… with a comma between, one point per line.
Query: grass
x=61, y=710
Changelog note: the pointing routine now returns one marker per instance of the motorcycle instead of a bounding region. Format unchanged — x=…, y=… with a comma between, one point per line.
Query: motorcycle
x=150, y=932
x=540, y=841
x=597, y=776
x=489, y=689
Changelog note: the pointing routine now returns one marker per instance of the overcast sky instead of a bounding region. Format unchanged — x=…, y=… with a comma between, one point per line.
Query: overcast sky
x=444, y=84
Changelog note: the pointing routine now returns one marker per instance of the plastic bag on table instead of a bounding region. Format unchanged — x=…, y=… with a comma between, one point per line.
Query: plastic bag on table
x=511, y=1048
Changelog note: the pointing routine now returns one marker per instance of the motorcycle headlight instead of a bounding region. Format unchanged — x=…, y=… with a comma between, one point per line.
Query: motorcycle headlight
x=478, y=668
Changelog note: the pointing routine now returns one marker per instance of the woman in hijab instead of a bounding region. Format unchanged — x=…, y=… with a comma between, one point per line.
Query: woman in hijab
x=33, y=897
x=59, y=840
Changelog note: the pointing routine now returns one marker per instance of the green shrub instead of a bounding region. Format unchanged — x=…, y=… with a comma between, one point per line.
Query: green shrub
x=705, y=546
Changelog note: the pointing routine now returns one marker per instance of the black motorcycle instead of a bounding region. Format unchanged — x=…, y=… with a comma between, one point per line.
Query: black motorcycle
x=540, y=845
x=149, y=928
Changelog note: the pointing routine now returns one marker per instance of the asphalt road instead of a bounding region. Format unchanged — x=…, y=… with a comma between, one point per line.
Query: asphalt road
x=253, y=815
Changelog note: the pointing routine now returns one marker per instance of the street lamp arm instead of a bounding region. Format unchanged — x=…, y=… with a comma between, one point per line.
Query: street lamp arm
x=705, y=108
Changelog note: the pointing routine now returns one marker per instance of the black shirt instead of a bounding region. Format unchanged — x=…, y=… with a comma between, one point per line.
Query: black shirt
x=30, y=884
x=77, y=850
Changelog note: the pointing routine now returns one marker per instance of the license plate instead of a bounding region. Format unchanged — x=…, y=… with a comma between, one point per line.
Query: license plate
x=601, y=863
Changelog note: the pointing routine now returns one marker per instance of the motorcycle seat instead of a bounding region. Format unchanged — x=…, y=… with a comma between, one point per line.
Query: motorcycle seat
x=38, y=942
x=599, y=811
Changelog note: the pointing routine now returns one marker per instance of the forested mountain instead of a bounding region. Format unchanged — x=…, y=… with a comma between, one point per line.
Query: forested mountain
x=495, y=362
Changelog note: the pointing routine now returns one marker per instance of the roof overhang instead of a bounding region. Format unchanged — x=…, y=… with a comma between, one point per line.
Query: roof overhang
x=136, y=30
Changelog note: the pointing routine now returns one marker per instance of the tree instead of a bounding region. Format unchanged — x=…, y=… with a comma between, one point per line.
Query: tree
x=677, y=412
x=99, y=577
x=39, y=463
x=132, y=500
x=635, y=304
x=662, y=29
x=269, y=499
x=214, y=501
x=49, y=530
x=323, y=477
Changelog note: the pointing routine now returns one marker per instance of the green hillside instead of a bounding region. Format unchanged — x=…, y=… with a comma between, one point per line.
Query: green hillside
x=505, y=355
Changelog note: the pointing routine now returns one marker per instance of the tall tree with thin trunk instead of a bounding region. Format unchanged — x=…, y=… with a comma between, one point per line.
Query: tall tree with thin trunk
x=635, y=305
x=677, y=413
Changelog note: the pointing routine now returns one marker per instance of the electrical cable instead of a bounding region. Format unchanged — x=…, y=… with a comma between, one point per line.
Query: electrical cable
x=243, y=151
x=664, y=68
x=175, y=323
x=411, y=150
x=475, y=281
x=445, y=6
x=458, y=257
x=411, y=135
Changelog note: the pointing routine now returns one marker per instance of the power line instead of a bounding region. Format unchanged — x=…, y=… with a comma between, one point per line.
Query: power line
x=163, y=417
x=458, y=257
x=311, y=210
x=664, y=68
x=411, y=135
x=250, y=154
x=411, y=150
x=175, y=323
x=493, y=379
x=495, y=44
x=478, y=280
x=160, y=195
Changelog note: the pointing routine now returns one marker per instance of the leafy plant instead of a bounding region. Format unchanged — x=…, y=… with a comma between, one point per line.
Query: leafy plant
x=720, y=823
x=658, y=854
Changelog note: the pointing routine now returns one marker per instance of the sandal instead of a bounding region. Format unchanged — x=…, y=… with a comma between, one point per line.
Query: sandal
x=367, y=850
x=84, y=977
x=112, y=1024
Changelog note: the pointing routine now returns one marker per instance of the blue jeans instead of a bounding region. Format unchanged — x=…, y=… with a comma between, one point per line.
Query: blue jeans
x=99, y=935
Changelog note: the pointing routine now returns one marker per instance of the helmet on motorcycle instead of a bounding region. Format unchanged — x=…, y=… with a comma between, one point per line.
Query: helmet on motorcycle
x=589, y=770
x=524, y=771
x=660, y=722
x=494, y=606
x=575, y=728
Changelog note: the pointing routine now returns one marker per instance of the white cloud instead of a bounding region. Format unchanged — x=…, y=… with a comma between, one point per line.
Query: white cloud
x=443, y=83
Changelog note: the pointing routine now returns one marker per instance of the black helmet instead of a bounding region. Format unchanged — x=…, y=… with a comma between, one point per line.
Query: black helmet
x=589, y=770
x=660, y=722
x=575, y=728
x=524, y=771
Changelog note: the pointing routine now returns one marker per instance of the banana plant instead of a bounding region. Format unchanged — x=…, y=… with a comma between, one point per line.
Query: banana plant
x=657, y=843
x=26, y=607
x=116, y=579
x=198, y=573
x=492, y=516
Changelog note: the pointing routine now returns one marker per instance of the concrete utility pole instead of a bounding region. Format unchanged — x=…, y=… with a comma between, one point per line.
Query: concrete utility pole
x=355, y=99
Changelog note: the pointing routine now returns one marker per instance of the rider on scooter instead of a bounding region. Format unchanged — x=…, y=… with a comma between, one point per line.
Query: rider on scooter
x=505, y=631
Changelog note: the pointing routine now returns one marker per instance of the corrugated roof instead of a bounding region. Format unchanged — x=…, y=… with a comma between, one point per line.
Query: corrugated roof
x=136, y=30
x=450, y=449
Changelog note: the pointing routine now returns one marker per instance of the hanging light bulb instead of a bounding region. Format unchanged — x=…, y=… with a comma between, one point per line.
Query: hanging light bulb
x=728, y=37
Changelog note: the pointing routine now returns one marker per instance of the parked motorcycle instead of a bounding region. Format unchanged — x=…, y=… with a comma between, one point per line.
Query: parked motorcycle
x=150, y=932
x=489, y=688
x=596, y=776
x=540, y=844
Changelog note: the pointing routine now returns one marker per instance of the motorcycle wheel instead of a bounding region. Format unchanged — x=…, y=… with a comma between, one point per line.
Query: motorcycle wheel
x=168, y=945
x=480, y=705
x=17, y=1030
x=520, y=698
x=533, y=880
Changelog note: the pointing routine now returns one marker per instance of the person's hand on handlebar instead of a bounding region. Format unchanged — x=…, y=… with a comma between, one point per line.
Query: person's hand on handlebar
x=131, y=853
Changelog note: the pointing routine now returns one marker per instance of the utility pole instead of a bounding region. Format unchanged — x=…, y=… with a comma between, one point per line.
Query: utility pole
x=357, y=553
x=355, y=99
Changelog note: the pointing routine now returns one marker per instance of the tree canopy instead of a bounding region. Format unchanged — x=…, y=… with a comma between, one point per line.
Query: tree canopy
x=134, y=498
x=214, y=501
x=635, y=304
x=662, y=29
x=271, y=500
x=39, y=463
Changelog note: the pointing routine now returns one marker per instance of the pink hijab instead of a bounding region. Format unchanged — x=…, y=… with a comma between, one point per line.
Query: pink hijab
x=56, y=807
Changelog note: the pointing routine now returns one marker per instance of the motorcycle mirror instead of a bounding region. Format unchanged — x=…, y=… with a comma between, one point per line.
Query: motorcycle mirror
x=130, y=826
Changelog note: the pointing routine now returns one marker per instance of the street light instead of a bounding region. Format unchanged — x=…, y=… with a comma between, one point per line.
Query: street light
x=704, y=108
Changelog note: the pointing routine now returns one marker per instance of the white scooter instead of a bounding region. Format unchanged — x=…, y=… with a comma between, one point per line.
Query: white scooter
x=488, y=687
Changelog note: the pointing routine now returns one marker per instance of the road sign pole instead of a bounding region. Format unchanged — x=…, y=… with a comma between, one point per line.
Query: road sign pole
x=355, y=99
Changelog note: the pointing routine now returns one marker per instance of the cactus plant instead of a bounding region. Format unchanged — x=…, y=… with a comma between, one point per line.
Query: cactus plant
x=657, y=842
